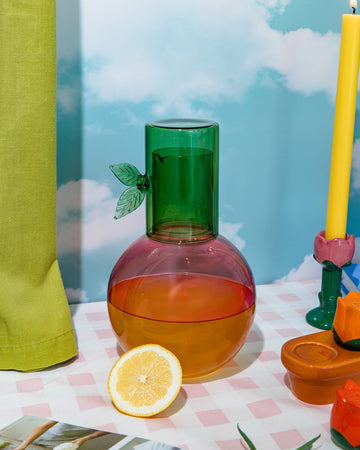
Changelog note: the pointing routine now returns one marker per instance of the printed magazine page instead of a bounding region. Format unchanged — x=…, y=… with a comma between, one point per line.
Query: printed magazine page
x=36, y=433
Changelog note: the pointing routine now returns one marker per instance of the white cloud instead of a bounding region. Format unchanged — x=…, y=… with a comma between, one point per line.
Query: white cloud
x=175, y=53
x=76, y=295
x=99, y=130
x=274, y=4
x=230, y=231
x=85, y=218
x=309, y=269
x=306, y=60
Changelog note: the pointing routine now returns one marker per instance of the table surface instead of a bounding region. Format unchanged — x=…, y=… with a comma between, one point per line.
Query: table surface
x=250, y=390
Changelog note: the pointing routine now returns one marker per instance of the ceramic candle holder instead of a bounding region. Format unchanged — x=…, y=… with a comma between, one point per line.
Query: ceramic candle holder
x=319, y=364
x=317, y=367
x=334, y=255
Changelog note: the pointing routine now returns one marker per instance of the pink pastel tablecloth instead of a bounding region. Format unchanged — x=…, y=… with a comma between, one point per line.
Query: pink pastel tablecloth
x=250, y=390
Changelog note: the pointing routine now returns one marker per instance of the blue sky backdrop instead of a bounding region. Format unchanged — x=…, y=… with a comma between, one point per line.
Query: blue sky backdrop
x=266, y=70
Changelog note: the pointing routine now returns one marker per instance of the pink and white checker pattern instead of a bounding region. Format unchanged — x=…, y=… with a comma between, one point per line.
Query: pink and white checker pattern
x=250, y=390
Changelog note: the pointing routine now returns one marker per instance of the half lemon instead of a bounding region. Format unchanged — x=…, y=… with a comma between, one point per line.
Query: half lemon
x=145, y=380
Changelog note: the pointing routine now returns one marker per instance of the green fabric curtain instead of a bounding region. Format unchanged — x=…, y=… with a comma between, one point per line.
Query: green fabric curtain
x=35, y=323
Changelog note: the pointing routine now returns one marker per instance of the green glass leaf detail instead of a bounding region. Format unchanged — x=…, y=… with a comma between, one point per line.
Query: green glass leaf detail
x=126, y=173
x=129, y=201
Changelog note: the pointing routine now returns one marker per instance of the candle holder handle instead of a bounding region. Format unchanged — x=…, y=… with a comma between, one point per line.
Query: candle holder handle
x=334, y=255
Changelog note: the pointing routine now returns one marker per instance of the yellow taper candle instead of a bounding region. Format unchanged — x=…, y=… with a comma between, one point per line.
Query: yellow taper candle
x=343, y=126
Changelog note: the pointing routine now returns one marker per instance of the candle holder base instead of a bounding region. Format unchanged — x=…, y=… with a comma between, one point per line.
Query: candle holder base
x=320, y=318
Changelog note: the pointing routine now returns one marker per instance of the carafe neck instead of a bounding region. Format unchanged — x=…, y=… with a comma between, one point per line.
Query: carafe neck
x=182, y=168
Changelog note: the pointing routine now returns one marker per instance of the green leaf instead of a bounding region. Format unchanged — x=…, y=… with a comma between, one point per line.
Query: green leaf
x=126, y=173
x=308, y=445
x=4, y=444
x=246, y=439
x=128, y=202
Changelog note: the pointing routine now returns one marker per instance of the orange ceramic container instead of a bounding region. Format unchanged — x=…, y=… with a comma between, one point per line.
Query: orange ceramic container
x=317, y=367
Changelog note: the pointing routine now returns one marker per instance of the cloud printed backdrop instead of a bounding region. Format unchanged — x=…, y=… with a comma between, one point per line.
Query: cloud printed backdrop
x=266, y=70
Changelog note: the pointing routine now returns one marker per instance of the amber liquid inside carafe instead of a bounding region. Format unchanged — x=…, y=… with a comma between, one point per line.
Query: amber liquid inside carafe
x=198, y=317
x=182, y=285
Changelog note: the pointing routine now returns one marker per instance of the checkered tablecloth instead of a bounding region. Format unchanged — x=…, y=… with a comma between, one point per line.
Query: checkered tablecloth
x=250, y=390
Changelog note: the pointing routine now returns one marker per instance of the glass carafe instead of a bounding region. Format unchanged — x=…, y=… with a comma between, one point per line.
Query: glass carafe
x=181, y=285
